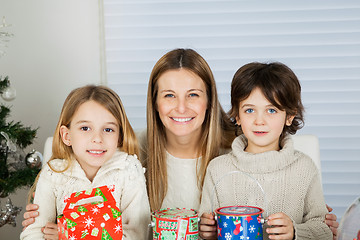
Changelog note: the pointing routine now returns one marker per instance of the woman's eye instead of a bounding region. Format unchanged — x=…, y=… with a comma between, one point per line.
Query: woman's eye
x=85, y=128
x=271, y=110
x=193, y=95
x=250, y=110
x=108, y=130
x=169, y=95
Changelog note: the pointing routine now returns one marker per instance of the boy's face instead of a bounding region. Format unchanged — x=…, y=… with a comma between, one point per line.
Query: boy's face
x=261, y=122
x=93, y=136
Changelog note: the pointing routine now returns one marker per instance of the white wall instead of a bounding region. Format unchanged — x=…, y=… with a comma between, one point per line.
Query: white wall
x=56, y=48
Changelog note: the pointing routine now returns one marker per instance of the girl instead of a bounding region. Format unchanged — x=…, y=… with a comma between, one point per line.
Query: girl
x=266, y=104
x=93, y=145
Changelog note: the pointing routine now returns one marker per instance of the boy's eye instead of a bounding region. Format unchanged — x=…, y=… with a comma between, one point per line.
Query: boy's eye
x=249, y=110
x=108, y=130
x=85, y=128
x=271, y=110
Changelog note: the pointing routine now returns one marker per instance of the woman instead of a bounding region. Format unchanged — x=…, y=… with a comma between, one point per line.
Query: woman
x=186, y=128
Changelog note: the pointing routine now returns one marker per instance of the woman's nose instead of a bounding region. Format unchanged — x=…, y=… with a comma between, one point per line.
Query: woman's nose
x=181, y=105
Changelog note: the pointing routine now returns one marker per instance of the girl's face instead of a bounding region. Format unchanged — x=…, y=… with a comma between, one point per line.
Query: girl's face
x=93, y=136
x=181, y=103
x=261, y=122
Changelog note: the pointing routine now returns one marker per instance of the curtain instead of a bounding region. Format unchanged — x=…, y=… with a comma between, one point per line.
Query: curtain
x=319, y=40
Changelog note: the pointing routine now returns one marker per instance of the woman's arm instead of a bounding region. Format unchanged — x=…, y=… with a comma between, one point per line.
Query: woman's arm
x=30, y=215
x=134, y=203
x=50, y=229
x=46, y=201
x=330, y=220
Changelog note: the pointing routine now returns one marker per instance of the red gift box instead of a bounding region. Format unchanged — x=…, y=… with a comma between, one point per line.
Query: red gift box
x=90, y=214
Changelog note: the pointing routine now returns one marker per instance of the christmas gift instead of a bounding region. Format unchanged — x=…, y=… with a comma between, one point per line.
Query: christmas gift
x=91, y=214
x=175, y=223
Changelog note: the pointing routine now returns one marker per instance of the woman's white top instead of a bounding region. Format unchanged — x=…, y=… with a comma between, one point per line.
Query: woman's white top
x=183, y=190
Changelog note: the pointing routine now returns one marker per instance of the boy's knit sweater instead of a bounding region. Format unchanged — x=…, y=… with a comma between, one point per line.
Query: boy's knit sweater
x=289, y=178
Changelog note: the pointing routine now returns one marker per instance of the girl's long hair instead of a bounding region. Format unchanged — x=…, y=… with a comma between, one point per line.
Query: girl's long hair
x=109, y=100
x=217, y=130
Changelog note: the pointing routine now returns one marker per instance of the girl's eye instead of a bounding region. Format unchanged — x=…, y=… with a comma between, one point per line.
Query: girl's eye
x=85, y=128
x=169, y=95
x=108, y=130
x=249, y=110
x=271, y=110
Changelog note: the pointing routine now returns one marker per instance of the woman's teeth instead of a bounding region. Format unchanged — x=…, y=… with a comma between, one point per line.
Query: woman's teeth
x=182, y=119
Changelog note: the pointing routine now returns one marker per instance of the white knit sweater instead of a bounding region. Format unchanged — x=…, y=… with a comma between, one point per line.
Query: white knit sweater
x=122, y=170
x=289, y=178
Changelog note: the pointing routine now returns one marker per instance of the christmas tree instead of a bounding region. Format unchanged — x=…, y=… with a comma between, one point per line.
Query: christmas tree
x=14, y=173
x=16, y=169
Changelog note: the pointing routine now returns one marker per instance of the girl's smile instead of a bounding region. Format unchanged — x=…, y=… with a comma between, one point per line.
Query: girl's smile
x=93, y=135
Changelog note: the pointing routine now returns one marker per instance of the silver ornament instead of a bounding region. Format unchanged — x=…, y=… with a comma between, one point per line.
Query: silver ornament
x=9, y=93
x=34, y=159
x=8, y=215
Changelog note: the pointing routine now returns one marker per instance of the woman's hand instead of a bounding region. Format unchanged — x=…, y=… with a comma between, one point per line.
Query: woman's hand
x=207, y=229
x=330, y=220
x=50, y=231
x=30, y=215
x=281, y=226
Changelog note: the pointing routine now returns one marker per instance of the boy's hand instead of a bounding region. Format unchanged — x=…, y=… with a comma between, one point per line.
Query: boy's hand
x=281, y=227
x=207, y=229
x=50, y=231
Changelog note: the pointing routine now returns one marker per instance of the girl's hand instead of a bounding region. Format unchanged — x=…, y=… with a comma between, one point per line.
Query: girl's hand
x=281, y=227
x=30, y=215
x=330, y=220
x=207, y=229
x=50, y=231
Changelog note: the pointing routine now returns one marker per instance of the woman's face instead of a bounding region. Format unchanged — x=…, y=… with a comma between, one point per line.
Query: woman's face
x=181, y=103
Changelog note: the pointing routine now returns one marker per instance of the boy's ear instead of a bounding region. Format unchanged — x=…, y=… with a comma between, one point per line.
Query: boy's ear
x=289, y=120
x=65, y=135
x=237, y=118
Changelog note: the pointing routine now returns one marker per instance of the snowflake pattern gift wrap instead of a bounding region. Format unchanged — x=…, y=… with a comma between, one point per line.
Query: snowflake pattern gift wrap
x=98, y=219
x=175, y=224
x=239, y=222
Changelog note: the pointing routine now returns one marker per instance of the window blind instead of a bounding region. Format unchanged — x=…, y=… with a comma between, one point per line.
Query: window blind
x=319, y=40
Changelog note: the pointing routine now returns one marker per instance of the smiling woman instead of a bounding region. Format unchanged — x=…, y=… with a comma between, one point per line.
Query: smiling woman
x=187, y=127
x=181, y=104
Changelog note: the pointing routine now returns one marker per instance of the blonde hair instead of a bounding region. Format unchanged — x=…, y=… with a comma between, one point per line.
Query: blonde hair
x=216, y=124
x=109, y=100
